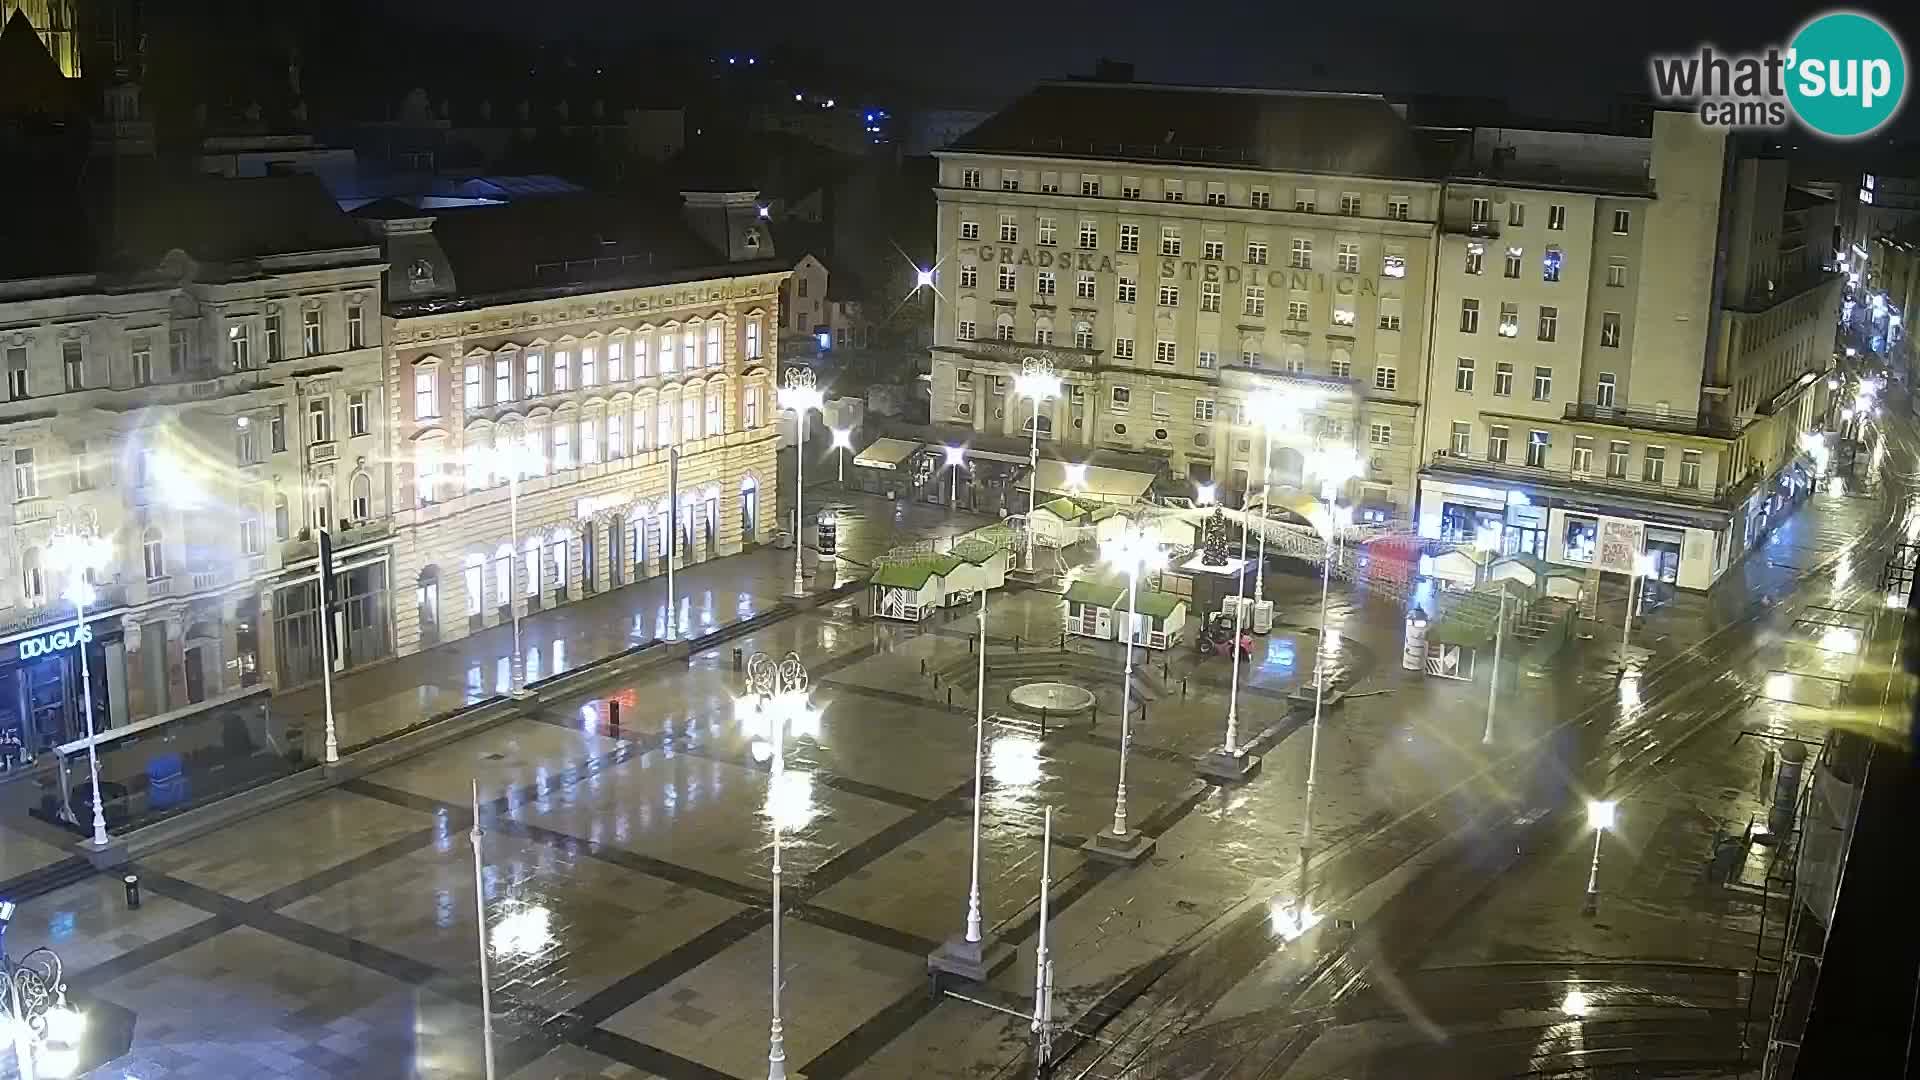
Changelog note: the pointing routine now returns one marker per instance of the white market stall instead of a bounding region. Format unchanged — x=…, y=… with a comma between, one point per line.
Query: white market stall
x=1097, y=608
x=911, y=587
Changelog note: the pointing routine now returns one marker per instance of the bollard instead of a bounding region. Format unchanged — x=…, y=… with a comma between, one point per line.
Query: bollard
x=936, y=680
x=1164, y=671
x=739, y=659
x=1043, y=721
x=1183, y=686
x=1063, y=641
x=949, y=699
x=1016, y=643
x=613, y=716
x=969, y=646
x=923, y=665
x=132, y=882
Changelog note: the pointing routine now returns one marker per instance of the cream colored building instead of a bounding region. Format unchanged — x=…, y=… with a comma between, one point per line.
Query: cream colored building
x=1179, y=253
x=200, y=401
x=604, y=338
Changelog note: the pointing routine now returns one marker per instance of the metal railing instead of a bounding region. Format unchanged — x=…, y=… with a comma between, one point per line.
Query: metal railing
x=1653, y=419
x=1571, y=477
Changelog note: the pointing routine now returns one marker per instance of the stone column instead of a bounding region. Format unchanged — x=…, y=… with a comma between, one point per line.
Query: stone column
x=139, y=701
x=269, y=645
x=981, y=398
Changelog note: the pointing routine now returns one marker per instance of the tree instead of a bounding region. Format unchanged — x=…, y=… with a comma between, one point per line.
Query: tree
x=1213, y=543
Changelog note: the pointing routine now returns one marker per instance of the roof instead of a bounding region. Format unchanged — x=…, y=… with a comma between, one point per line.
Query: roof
x=885, y=453
x=1110, y=591
x=1468, y=622
x=1345, y=134
x=1099, y=482
x=1802, y=199
x=914, y=574
x=30, y=80
x=1102, y=513
x=1064, y=508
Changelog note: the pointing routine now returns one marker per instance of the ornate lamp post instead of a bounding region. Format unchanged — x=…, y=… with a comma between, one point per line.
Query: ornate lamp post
x=80, y=557
x=1038, y=382
x=1132, y=553
x=798, y=392
x=514, y=459
x=970, y=956
x=843, y=442
x=1332, y=467
x=46, y=1030
x=1278, y=409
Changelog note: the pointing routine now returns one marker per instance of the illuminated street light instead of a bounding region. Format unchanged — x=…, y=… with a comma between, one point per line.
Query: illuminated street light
x=474, y=836
x=1273, y=409
x=1037, y=382
x=1332, y=466
x=514, y=459
x=956, y=457
x=799, y=394
x=967, y=955
x=843, y=442
x=1132, y=552
x=922, y=278
x=79, y=558
x=1601, y=815
x=46, y=1030
x=1643, y=567
x=1204, y=496
x=1076, y=475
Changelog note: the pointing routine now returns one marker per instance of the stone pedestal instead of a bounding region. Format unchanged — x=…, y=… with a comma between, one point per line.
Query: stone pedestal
x=1129, y=848
x=1220, y=767
x=972, y=961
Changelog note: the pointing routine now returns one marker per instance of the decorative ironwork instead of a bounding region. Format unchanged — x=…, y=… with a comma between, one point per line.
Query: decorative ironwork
x=1041, y=366
x=768, y=677
x=797, y=378
x=34, y=986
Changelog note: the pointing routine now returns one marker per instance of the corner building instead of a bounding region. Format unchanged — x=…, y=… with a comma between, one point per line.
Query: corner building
x=602, y=336
x=1179, y=252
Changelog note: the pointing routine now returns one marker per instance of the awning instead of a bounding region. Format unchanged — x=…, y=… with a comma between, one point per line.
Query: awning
x=995, y=455
x=886, y=453
x=1099, y=481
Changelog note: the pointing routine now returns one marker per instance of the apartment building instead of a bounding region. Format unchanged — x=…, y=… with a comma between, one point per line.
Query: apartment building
x=193, y=375
x=624, y=350
x=1181, y=255
x=1629, y=336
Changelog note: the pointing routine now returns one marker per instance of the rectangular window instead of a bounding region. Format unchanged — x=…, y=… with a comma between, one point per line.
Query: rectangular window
x=1304, y=200
x=1556, y=217
x=1127, y=291
x=1049, y=232
x=1622, y=220
x=1482, y=211
x=1690, y=468
x=1350, y=203
x=1509, y=319
x=1009, y=180
x=1462, y=444
x=664, y=428
x=1469, y=316
x=176, y=351
x=1537, y=443
x=356, y=326
x=1497, y=443
x=426, y=405
x=1476, y=258
x=689, y=350
x=969, y=230
x=1516, y=213
x=1549, y=323
x=246, y=446
x=1385, y=378
x=616, y=436
x=1616, y=273
x=1216, y=194
x=1340, y=367
x=319, y=420
x=1302, y=256
x=1503, y=380
x=532, y=367
x=1009, y=229
x=617, y=352
x=590, y=440
x=590, y=365
x=1582, y=455
x=1129, y=238
x=1209, y=296
x=1207, y=360
x=310, y=339
x=277, y=429
x=1380, y=434
x=502, y=380
x=562, y=376
x=1514, y=258
x=1169, y=240
x=1463, y=375
x=1173, y=191
x=239, y=347
x=1389, y=320
x=1122, y=399
x=970, y=178
x=1161, y=406
x=1089, y=235
x=26, y=479
x=1550, y=265
x=1203, y=409
x=1256, y=253
x=965, y=331
x=969, y=277
x=1617, y=460
x=1260, y=198
x=562, y=445
x=1398, y=207
x=270, y=337
x=1254, y=301
x=1249, y=354
x=750, y=408
x=1043, y=283
x=1083, y=287
x=1003, y=328
x=1082, y=335
x=1654, y=464
x=73, y=365
x=1610, y=330
x=1090, y=186
x=1166, y=353
x=1603, y=390
x=1543, y=384
x=1009, y=278
x=473, y=387
x=1129, y=187
x=142, y=350
x=1169, y=296
x=642, y=430
x=1349, y=259
x=1297, y=311
x=1123, y=348
x=357, y=413
x=17, y=374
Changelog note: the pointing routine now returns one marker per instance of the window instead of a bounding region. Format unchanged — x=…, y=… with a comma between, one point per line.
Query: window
x=1122, y=399
x=1550, y=265
x=1462, y=444
x=1255, y=300
x=26, y=478
x=1169, y=240
x=176, y=351
x=1341, y=366
x=1616, y=273
x=1350, y=203
x=142, y=347
x=1654, y=464
x=616, y=436
x=251, y=542
x=239, y=348
x=689, y=349
x=1043, y=283
x=1203, y=409
x=1537, y=443
x=1385, y=378
x=356, y=325
x=1516, y=213
x=1003, y=328
x=1256, y=253
x=1610, y=330
x=1213, y=250
x=1389, y=320
x=16, y=374
x=1380, y=434
x=1582, y=454
x=590, y=364
x=1127, y=291
x=360, y=497
x=1690, y=468
x=562, y=374
x=1617, y=460
x=1043, y=333
x=1129, y=238
x=282, y=520
x=310, y=342
x=473, y=387
x=319, y=420
x=1482, y=211
x=1090, y=186
x=1556, y=217
x=1503, y=380
x=1129, y=187
x=1249, y=354
x=277, y=429
x=1509, y=320
x=73, y=365
x=590, y=439
x=81, y=464
x=1348, y=259
x=153, y=555
x=1469, y=316
x=532, y=370
x=562, y=444
x=1166, y=353
x=1009, y=278
x=1123, y=348
x=1209, y=296
x=1169, y=296
x=1513, y=262
x=664, y=427
x=1543, y=384
x=357, y=414
x=1161, y=406
x=1260, y=198
x=1049, y=232
x=1582, y=537
x=426, y=403
x=1343, y=316
x=969, y=277
x=1463, y=375
x=965, y=331
x=1173, y=191
x=1497, y=443
x=617, y=352
x=969, y=230
x=1549, y=323
x=1603, y=390
x=1302, y=257
x=1398, y=207
x=970, y=178
x=1216, y=194
x=1207, y=360
x=1476, y=258
x=502, y=380
x=1622, y=220
x=1083, y=287
x=1083, y=335
x=1009, y=229
x=1303, y=201
x=1297, y=311
x=1089, y=235
x=1009, y=180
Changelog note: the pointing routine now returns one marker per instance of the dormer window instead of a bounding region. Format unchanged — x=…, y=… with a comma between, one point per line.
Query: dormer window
x=752, y=240
x=420, y=274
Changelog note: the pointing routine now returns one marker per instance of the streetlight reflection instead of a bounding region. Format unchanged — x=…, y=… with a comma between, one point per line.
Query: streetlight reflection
x=1015, y=761
x=525, y=931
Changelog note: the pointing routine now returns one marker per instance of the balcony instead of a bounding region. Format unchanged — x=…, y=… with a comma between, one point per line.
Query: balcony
x=36, y=509
x=16, y=619
x=322, y=452
x=1065, y=358
x=1463, y=225
x=307, y=546
x=1587, y=481
x=1701, y=424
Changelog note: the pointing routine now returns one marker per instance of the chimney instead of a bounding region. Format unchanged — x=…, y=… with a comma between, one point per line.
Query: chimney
x=729, y=222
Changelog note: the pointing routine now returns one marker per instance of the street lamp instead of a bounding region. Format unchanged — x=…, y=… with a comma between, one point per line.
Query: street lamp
x=1643, y=567
x=475, y=835
x=1204, y=495
x=798, y=393
x=842, y=441
x=1230, y=762
x=1332, y=466
x=1601, y=815
x=1271, y=410
x=1076, y=475
x=46, y=1030
x=967, y=955
x=514, y=459
x=79, y=558
x=956, y=457
x=1132, y=552
x=776, y=700
x=1038, y=382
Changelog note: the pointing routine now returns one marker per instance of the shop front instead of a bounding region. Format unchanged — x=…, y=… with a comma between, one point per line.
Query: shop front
x=41, y=692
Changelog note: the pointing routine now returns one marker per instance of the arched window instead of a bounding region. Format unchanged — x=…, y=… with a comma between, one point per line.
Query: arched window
x=1046, y=424
x=153, y=555
x=33, y=580
x=360, y=496
x=1003, y=327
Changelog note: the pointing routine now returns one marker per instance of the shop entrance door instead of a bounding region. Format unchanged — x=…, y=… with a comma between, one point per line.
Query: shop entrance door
x=196, y=675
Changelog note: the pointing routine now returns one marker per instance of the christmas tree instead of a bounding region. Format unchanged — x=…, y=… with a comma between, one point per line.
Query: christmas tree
x=1213, y=544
